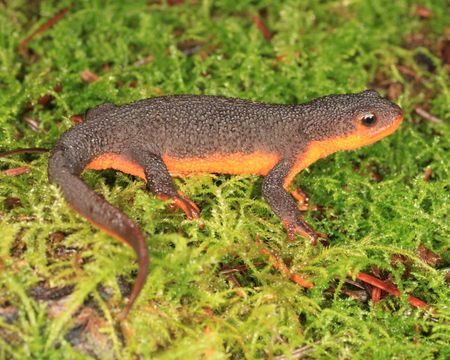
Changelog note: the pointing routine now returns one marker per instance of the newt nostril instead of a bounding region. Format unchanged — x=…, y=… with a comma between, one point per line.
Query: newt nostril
x=399, y=117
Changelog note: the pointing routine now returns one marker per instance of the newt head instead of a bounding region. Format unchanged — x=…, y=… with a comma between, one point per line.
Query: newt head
x=351, y=121
x=376, y=120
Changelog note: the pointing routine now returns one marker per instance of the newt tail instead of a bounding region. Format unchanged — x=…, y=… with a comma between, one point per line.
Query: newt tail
x=100, y=213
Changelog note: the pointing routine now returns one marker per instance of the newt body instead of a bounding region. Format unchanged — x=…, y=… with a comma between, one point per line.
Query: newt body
x=178, y=135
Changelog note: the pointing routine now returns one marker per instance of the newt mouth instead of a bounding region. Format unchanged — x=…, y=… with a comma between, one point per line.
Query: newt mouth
x=389, y=129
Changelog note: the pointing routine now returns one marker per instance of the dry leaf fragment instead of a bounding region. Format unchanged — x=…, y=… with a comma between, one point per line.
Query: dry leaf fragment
x=423, y=12
x=17, y=171
x=428, y=256
x=88, y=76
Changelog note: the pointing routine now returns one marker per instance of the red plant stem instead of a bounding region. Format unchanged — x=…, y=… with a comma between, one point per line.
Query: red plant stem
x=377, y=283
x=279, y=265
x=376, y=294
x=390, y=289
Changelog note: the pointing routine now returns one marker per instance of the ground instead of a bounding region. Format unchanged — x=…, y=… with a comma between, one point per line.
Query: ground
x=211, y=293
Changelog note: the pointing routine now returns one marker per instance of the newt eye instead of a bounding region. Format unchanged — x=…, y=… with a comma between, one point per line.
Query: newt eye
x=369, y=120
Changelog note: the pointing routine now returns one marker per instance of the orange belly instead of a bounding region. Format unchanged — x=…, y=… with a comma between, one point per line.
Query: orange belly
x=258, y=163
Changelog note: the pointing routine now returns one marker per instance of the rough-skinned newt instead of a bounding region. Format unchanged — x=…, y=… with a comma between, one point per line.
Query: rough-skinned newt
x=167, y=136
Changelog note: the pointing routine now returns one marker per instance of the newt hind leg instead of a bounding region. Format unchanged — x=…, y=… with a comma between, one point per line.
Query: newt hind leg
x=160, y=183
x=284, y=205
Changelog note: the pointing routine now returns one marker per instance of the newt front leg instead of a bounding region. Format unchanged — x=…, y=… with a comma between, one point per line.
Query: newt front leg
x=283, y=204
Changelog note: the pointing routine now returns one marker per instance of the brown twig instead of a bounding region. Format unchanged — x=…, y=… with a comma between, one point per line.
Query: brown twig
x=33, y=124
x=239, y=268
x=235, y=284
x=427, y=116
x=297, y=353
x=261, y=27
x=23, y=46
x=23, y=151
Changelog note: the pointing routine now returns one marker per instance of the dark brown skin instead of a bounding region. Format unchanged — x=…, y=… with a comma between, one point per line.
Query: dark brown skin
x=179, y=135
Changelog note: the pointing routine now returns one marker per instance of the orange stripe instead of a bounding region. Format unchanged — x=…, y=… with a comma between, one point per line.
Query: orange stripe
x=117, y=162
x=258, y=163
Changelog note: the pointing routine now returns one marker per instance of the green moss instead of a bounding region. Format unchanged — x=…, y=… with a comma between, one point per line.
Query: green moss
x=326, y=47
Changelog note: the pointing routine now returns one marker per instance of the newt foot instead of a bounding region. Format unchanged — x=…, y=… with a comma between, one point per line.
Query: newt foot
x=180, y=201
x=302, y=200
x=303, y=229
